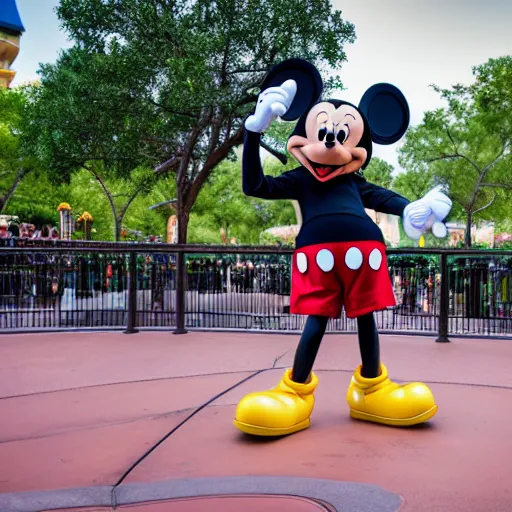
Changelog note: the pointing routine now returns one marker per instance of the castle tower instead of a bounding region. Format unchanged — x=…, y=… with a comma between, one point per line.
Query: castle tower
x=10, y=34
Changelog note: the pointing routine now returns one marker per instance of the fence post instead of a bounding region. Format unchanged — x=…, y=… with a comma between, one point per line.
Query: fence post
x=444, y=302
x=131, y=327
x=181, y=280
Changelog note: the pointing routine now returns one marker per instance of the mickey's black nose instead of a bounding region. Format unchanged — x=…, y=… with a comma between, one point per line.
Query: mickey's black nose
x=329, y=140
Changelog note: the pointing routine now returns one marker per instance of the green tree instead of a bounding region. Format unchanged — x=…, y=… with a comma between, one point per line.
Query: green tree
x=75, y=121
x=14, y=163
x=492, y=92
x=466, y=148
x=121, y=192
x=176, y=98
x=414, y=183
x=379, y=172
x=36, y=200
x=223, y=205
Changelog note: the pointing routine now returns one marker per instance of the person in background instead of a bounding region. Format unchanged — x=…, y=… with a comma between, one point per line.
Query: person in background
x=4, y=226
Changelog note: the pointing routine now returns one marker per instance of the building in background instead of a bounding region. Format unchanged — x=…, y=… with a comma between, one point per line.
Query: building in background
x=11, y=29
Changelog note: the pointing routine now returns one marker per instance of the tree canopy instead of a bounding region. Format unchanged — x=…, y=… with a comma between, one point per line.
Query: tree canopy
x=379, y=172
x=466, y=147
x=167, y=85
x=14, y=162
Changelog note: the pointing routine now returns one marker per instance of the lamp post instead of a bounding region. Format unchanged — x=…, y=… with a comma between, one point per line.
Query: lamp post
x=87, y=220
x=66, y=221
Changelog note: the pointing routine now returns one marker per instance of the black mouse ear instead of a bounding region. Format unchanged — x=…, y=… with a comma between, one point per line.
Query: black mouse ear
x=309, y=85
x=387, y=112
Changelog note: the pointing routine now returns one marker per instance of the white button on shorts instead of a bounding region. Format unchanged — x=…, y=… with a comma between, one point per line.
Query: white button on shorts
x=354, y=258
x=375, y=259
x=325, y=260
x=302, y=262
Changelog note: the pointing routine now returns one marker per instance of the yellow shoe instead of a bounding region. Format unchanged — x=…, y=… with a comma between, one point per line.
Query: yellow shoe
x=283, y=410
x=382, y=401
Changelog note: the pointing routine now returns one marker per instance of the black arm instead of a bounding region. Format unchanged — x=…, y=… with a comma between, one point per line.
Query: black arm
x=254, y=182
x=381, y=199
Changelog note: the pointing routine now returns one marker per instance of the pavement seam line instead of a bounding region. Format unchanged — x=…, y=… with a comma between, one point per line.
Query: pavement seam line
x=106, y=384
x=99, y=426
x=276, y=360
x=190, y=416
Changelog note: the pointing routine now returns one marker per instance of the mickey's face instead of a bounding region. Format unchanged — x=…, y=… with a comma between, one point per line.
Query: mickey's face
x=331, y=145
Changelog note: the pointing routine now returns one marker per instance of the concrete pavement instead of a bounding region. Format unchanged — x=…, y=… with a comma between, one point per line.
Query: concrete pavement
x=104, y=419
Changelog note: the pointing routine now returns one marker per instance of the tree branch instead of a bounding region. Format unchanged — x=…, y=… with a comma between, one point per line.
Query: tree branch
x=280, y=156
x=104, y=187
x=486, y=168
x=170, y=110
x=7, y=196
x=443, y=157
x=187, y=153
x=455, y=146
x=247, y=70
x=482, y=176
x=455, y=155
x=130, y=201
x=167, y=165
x=213, y=160
x=245, y=100
x=484, y=207
x=496, y=185
x=215, y=133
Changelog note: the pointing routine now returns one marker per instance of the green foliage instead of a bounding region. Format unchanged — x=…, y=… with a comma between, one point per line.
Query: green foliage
x=414, y=183
x=465, y=146
x=176, y=98
x=14, y=162
x=84, y=111
x=492, y=93
x=36, y=200
x=379, y=172
x=223, y=205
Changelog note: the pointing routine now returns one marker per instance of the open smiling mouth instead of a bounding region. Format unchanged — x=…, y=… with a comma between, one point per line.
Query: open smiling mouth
x=324, y=169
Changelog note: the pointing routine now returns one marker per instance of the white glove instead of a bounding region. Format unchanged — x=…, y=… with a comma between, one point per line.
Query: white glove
x=428, y=212
x=272, y=102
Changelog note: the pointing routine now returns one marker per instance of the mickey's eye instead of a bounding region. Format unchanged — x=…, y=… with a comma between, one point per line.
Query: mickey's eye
x=322, y=133
x=342, y=135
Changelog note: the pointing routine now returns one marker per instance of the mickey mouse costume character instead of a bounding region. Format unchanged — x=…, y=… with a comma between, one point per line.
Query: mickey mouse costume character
x=340, y=255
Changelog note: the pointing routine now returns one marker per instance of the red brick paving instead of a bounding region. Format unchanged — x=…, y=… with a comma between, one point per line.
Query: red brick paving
x=91, y=436
x=79, y=431
x=465, y=451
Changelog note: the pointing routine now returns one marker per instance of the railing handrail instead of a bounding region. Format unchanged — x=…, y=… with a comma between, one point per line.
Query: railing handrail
x=131, y=253
x=142, y=247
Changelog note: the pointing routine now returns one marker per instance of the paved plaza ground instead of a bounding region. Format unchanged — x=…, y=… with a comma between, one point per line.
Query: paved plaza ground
x=104, y=420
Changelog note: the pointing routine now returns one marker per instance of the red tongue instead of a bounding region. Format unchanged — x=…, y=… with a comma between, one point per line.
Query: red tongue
x=323, y=170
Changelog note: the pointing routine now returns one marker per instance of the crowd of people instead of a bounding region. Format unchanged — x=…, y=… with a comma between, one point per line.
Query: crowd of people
x=11, y=229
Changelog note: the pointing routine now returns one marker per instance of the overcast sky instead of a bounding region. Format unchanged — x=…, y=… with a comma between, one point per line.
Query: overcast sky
x=409, y=43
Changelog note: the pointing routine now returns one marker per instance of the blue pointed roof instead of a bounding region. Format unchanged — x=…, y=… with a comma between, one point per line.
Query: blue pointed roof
x=10, y=17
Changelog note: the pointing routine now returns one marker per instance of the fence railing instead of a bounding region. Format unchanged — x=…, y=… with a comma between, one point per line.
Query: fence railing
x=70, y=285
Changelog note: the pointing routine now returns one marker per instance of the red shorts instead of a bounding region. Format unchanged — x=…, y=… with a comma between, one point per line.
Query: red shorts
x=326, y=277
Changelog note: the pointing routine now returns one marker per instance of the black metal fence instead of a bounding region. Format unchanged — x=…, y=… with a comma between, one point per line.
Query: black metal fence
x=69, y=285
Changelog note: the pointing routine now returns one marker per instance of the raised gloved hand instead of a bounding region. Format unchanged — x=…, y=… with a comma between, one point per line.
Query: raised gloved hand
x=272, y=102
x=425, y=213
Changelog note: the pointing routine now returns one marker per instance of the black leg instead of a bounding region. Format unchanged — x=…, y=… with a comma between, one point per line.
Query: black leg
x=369, y=346
x=308, y=348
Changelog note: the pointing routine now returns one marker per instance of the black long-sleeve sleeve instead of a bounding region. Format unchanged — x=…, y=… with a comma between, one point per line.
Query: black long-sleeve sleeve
x=381, y=199
x=255, y=183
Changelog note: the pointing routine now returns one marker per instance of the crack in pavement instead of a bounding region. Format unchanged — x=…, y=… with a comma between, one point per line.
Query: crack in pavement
x=278, y=358
x=168, y=414
x=139, y=381
x=190, y=416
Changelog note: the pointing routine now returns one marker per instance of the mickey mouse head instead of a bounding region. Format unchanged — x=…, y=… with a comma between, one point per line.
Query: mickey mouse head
x=332, y=137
